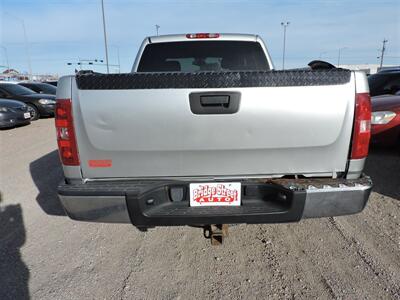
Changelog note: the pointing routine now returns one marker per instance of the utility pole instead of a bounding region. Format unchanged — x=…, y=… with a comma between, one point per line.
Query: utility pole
x=157, y=27
x=105, y=35
x=284, y=24
x=383, y=50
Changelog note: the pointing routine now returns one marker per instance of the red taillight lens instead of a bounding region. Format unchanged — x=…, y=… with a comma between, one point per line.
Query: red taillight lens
x=362, y=126
x=65, y=133
x=202, y=35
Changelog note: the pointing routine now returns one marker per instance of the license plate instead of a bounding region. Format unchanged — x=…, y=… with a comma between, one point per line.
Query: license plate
x=27, y=115
x=215, y=194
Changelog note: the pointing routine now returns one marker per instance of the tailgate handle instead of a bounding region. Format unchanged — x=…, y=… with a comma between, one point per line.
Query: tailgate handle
x=208, y=103
x=222, y=100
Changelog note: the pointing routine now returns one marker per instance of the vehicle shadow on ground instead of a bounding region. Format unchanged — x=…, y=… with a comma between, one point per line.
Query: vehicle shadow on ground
x=383, y=165
x=14, y=274
x=46, y=173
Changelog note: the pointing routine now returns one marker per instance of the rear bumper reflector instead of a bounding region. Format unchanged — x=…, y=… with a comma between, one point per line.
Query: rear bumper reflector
x=100, y=163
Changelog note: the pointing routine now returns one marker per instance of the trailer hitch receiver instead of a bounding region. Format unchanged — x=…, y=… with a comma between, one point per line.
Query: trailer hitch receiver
x=216, y=233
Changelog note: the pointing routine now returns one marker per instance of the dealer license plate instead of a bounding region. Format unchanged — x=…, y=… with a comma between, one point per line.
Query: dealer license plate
x=215, y=194
x=27, y=115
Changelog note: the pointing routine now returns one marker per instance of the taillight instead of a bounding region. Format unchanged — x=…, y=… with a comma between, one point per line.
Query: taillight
x=362, y=126
x=65, y=133
x=202, y=35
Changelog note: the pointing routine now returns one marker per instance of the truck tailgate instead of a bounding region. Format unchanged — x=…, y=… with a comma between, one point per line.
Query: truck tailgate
x=279, y=128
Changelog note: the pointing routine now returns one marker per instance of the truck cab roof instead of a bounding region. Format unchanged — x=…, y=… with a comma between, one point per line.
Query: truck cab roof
x=203, y=36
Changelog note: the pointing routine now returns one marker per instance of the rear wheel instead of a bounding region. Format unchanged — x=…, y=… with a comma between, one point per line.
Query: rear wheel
x=32, y=109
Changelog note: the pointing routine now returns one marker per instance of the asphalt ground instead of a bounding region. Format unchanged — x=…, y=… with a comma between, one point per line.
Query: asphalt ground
x=45, y=255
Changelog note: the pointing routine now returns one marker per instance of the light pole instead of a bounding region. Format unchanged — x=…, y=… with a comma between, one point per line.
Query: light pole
x=27, y=50
x=284, y=24
x=157, y=27
x=25, y=42
x=340, y=50
x=105, y=35
x=6, y=55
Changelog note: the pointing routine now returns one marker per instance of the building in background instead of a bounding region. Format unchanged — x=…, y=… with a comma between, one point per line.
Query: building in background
x=45, y=77
x=14, y=75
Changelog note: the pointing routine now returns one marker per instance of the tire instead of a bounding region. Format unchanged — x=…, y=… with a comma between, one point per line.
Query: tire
x=32, y=109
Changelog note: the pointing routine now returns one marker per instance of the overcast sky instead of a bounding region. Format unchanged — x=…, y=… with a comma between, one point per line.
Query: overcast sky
x=62, y=31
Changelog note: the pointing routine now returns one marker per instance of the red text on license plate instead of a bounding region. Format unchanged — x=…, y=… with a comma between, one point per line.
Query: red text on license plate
x=215, y=194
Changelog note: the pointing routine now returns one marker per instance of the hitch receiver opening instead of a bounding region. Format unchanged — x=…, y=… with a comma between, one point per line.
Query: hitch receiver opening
x=216, y=233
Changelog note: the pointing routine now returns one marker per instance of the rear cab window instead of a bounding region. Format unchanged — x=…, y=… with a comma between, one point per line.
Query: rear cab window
x=194, y=56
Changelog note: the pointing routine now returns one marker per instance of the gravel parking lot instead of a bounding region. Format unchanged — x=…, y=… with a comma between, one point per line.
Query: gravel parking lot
x=45, y=255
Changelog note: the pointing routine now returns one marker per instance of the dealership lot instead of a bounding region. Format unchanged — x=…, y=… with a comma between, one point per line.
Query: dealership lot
x=45, y=255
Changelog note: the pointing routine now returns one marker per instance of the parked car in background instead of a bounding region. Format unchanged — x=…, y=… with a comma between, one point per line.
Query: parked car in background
x=52, y=82
x=39, y=105
x=386, y=82
x=40, y=87
x=385, y=122
x=13, y=113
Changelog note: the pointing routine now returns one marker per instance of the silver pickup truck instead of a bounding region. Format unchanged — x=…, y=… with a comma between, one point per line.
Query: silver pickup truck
x=205, y=131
